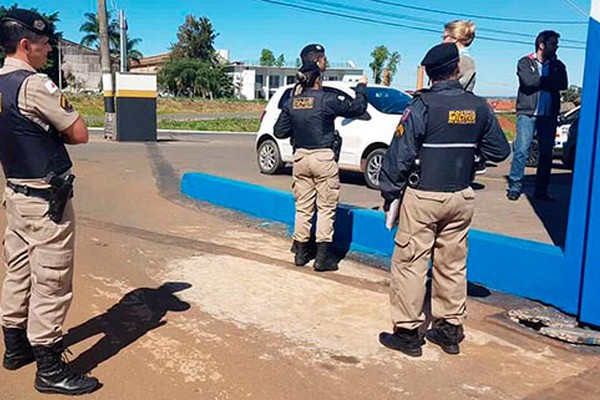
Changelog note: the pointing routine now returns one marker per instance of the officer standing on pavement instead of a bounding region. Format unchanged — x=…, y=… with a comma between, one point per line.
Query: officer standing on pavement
x=36, y=121
x=442, y=129
x=308, y=119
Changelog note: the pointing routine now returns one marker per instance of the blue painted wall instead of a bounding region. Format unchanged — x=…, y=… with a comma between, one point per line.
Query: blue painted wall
x=589, y=129
x=515, y=266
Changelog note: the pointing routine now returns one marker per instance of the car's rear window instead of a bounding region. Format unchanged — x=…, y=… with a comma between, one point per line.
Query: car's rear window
x=388, y=100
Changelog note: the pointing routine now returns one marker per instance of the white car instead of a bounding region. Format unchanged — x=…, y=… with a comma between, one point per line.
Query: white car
x=364, y=139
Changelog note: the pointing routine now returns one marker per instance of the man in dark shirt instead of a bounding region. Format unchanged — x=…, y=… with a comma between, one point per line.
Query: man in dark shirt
x=541, y=78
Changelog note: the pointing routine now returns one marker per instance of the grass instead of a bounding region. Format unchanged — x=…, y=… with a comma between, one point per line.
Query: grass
x=217, y=125
x=93, y=106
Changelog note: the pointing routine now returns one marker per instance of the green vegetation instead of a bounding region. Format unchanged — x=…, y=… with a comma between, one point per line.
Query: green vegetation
x=217, y=125
x=214, y=125
x=194, y=68
x=93, y=106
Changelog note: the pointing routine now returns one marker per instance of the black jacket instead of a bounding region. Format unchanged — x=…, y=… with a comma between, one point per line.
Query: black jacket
x=417, y=123
x=309, y=118
x=530, y=84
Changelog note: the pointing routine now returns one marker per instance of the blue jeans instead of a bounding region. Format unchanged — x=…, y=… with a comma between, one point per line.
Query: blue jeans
x=546, y=131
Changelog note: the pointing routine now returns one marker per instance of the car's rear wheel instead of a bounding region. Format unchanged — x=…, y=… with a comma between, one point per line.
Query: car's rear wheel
x=269, y=157
x=373, y=164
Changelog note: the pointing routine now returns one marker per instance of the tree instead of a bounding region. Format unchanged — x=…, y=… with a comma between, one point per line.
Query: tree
x=195, y=39
x=91, y=28
x=280, y=62
x=267, y=58
x=193, y=68
x=298, y=62
x=51, y=67
x=194, y=77
x=381, y=55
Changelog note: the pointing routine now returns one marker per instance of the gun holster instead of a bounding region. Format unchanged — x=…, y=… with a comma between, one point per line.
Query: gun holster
x=62, y=191
x=336, y=145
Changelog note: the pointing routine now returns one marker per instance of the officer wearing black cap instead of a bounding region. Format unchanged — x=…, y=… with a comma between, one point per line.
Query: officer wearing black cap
x=433, y=154
x=36, y=121
x=308, y=118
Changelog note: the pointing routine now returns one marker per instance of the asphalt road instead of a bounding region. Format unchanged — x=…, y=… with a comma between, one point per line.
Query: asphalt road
x=234, y=156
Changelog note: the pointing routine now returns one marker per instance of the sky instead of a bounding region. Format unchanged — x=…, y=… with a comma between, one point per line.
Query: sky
x=246, y=27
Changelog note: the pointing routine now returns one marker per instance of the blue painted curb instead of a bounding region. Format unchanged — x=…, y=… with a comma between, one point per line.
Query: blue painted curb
x=520, y=267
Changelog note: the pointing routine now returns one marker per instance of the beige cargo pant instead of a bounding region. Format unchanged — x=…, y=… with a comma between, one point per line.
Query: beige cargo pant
x=38, y=253
x=315, y=184
x=432, y=225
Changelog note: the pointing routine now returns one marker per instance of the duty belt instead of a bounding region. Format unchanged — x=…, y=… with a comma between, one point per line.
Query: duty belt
x=46, y=194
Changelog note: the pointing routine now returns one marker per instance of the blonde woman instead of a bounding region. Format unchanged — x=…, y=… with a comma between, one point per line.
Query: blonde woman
x=463, y=33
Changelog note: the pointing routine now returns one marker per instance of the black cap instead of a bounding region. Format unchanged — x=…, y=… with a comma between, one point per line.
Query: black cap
x=439, y=57
x=30, y=20
x=311, y=52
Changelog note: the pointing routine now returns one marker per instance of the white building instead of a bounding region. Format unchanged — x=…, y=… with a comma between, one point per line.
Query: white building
x=253, y=81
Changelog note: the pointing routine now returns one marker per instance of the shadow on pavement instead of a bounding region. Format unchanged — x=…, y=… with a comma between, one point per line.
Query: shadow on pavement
x=554, y=215
x=137, y=313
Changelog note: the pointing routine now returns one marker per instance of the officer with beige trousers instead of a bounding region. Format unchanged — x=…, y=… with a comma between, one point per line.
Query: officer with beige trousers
x=433, y=154
x=36, y=121
x=308, y=119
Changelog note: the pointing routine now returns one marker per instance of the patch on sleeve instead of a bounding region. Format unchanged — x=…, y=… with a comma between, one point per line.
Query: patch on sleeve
x=400, y=129
x=52, y=88
x=462, y=117
x=65, y=105
x=405, y=115
x=303, y=103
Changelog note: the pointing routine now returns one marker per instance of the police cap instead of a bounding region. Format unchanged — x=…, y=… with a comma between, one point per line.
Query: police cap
x=440, y=57
x=311, y=52
x=30, y=20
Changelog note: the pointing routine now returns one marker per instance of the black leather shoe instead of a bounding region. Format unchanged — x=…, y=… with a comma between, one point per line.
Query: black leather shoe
x=302, y=256
x=18, y=351
x=54, y=375
x=543, y=197
x=447, y=336
x=513, y=195
x=324, y=260
x=408, y=341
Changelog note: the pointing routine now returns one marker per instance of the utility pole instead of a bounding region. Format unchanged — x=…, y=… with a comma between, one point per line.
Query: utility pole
x=123, y=31
x=107, y=79
x=420, y=77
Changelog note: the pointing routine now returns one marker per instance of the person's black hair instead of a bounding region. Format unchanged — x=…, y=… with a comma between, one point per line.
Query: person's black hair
x=11, y=33
x=544, y=37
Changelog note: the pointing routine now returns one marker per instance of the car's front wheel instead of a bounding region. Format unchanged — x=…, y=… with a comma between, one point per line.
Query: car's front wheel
x=269, y=157
x=373, y=164
x=533, y=158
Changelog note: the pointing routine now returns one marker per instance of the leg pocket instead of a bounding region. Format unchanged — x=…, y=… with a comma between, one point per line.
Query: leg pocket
x=52, y=272
x=405, y=248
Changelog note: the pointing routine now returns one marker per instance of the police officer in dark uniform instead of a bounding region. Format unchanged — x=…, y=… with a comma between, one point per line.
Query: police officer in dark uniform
x=433, y=154
x=308, y=119
x=36, y=121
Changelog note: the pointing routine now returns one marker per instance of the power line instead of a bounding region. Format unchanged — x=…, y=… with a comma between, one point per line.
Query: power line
x=577, y=8
x=423, y=20
x=485, y=17
x=394, y=24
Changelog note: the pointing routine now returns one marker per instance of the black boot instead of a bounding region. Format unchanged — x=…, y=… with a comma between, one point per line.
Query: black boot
x=55, y=376
x=302, y=251
x=18, y=350
x=324, y=260
x=408, y=341
x=447, y=336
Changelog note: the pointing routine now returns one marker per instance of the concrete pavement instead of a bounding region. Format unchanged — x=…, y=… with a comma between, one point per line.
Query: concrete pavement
x=175, y=299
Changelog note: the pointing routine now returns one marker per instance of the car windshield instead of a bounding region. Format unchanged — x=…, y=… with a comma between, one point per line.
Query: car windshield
x=388, y=100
